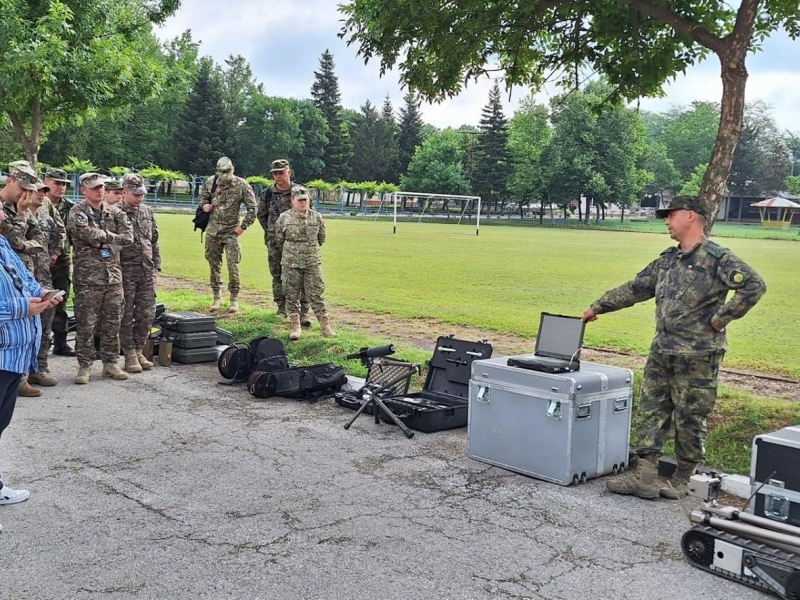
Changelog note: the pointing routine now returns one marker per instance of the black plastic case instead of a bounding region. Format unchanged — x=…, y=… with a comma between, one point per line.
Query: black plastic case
x=194, y=355
x=188, y=322
x=198, y=339
x=443, y=402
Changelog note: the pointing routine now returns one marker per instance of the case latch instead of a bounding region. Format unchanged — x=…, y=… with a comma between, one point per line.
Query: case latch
x=483, y=394
x=583, y=411
x=620, y=405
x=554, y=410
x=776, y=507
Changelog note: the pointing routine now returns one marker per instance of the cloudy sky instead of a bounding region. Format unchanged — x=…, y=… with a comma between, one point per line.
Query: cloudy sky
x=283, y=41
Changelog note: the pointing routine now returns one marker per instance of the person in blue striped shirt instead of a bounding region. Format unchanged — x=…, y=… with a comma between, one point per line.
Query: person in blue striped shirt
x=22, y=300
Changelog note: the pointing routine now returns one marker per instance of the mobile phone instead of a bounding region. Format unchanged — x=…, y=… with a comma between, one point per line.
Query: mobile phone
x=53, y=294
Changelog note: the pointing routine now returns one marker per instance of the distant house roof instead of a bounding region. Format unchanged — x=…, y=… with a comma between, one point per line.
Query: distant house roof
x=778, y=202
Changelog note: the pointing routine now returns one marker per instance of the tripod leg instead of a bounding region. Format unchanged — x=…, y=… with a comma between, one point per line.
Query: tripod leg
x=381, y=406
x=360, y=410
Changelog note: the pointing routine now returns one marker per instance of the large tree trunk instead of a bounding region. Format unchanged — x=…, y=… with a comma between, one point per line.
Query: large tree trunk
x=30, y=143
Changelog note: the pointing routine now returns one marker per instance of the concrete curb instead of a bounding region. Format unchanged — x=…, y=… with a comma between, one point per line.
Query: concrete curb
x=736, y=485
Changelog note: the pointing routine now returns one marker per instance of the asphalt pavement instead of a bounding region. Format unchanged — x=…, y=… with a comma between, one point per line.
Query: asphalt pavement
x=169, y=485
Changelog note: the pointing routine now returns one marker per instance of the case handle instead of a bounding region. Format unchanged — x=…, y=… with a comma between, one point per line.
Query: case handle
x=483, y=395
x=584, y=411
x=554, y=410
x=620, y=405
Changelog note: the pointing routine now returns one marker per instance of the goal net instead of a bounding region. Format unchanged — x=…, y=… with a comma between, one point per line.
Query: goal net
x=422, y=204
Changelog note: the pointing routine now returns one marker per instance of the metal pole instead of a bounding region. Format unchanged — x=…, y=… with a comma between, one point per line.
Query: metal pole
x=394, y=222
x=478, y=219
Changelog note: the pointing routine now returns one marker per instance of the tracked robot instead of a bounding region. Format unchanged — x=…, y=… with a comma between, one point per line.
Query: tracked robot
x=756, y=551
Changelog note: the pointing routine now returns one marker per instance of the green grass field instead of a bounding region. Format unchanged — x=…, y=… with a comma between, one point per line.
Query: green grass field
x=502, y=279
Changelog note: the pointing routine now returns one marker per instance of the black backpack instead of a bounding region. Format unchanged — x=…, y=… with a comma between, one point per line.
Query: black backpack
x=201, y=217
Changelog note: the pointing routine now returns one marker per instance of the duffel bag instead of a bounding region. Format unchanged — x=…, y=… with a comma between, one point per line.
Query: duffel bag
x=297, y=382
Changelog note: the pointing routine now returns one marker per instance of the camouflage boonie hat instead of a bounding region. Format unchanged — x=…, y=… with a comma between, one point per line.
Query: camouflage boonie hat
x=279, y=165
x=25, y=175
x=134, y=183
x=91, y=180
x=59, y=175
x=224, y=165
x=18, y=163
x=113, y=184
x=683, y=203
x=299, y=193
x=42, y=186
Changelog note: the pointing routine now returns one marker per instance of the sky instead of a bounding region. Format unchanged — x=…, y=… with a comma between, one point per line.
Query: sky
x=283, y=42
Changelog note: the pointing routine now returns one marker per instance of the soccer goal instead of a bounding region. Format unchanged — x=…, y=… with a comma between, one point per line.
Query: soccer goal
x=421, y=202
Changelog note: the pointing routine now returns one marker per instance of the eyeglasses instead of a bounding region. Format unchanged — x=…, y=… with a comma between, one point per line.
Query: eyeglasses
x=15, y=278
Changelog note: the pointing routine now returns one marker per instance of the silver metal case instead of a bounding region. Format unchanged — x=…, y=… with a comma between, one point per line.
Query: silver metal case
x=775, y=476
x=563, y=428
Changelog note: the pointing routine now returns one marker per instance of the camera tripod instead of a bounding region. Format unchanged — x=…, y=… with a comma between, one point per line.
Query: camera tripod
x=371, y=392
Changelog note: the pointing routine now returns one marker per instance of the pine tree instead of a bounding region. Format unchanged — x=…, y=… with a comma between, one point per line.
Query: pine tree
x=493, y=164
x=374, y=144
x=410, y=131
x=205, y=131
x=389, y=134
x=326, y=97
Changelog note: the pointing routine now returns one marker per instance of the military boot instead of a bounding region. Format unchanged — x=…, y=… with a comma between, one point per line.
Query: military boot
x=143, y=362
x=110, y=369
x=43, y=378
x=84, y=373
x=131, y=362
x=234, y=307
x=325, y=326
x=643, y=482
x=217, y=300
x=678, y=486
x=295, y=321
x=305, y=320
x=26, y=390
x=61, y=348
x=281, y=312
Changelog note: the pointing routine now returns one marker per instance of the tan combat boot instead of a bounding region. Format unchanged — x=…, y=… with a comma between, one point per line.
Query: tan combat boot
x=43, y=378
x=110, y=369
x=131, y=362
x=295, y=321
x=26, y=390
x=234, y=307
x=217, y=300
x=678, y=486
x=143, y=362
x=305, y=320
x=325, y=326
x=83, y=375
x=643, y=482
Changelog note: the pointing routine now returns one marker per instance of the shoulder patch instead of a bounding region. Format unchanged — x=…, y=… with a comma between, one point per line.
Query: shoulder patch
x=737, y=277
x=81, y=218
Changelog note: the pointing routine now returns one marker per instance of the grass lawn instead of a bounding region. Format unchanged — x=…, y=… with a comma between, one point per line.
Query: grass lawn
x=503, y=278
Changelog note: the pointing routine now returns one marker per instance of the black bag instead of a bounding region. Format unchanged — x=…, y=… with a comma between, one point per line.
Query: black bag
x=297, y=382
x=201, y=217
x=238, y=361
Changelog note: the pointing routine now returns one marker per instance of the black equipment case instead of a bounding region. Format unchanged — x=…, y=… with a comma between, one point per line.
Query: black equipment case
x=198, y=339
x=194, y=355
x=443, y=402
x=188, y=322
x=775, y=476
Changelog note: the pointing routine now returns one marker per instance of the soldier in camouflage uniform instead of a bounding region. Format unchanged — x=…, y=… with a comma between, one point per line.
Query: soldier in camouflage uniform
x=140, y=262
x=113, y=193
x=223, y=231
x=98, y=233
x=272, y=202
x=53, y=240
x=299, y=233
x=690, y=283
x=61, y=268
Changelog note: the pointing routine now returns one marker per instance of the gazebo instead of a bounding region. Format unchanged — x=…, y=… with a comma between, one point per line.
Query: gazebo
x=779, y=207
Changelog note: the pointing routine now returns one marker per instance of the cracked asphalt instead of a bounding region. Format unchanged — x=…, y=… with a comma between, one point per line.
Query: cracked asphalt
x=170, y=485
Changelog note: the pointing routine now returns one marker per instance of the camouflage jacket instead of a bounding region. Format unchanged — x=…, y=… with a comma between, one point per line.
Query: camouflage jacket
x=227, y=202
x=145, y=249
x=690, y=289
x=299, y=238
x=23, y=234
x=271, y=204
x=54, y=242
x=87, y=226
x=62, y=210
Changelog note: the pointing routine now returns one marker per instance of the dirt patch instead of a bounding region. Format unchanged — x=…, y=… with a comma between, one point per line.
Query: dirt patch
x=422, y=333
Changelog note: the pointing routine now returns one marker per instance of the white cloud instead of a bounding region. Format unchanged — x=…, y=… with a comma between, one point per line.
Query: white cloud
x=283, y=41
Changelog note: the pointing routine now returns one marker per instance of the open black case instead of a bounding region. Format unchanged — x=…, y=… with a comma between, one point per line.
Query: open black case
x=443, y=402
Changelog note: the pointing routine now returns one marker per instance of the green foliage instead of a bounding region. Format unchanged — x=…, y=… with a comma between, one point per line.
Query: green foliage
x=410, y=135
x=259, y=180
x=322, y=186
x=493, y=164
x=374, y=144
x=692, y=186
x=792, y=184
x=78, y=165
x=529, y=135
x=436, y=167
x=326, y=97
x=119, y=171
x=689, y=135
x=156, y=173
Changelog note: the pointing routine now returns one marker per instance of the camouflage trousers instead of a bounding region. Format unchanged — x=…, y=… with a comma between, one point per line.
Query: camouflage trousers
x=274, y=261
x=61, y=272
x=45, y=280
x=97, y=306
x=678, y=390
x=310, y=280
x=138, y=286
x=215, y=246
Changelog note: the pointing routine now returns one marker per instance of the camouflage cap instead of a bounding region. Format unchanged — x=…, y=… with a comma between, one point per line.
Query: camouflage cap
x=224, y=165
x=42, y=187
x=18, y=163
x=683, y=203
x=279, y=165
x=57, y=175
x=25, y=175
x=299, y=193
x=91, y=180
x=134, y=183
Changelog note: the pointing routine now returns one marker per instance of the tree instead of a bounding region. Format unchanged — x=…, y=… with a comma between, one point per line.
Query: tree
x=326, y=97
x=689, y=135
x=529, y=134
x=390, y=132
x=436, y=166
x=373, y=145
x=410, y=130
x=62, y=59
x=493, y=165
x=636, y=44
x=656, y=161
x=205, y=134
